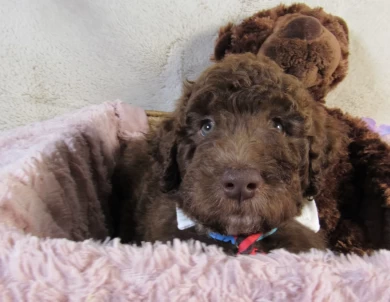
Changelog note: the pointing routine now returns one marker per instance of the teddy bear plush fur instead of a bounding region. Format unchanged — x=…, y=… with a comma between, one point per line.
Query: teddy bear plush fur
x=354, y=201
x=307, y=43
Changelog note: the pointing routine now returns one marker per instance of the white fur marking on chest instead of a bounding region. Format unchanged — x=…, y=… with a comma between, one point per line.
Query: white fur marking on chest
x=309, y=216
x=183, y=221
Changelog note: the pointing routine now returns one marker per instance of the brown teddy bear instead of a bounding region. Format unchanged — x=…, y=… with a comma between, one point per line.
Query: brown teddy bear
x=307, y=43
x=312, y=45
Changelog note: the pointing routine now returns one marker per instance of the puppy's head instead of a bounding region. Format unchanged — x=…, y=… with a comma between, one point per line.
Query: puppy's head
x=245, y=145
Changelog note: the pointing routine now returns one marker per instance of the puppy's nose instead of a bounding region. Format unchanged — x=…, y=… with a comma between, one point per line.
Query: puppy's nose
x=241, y=184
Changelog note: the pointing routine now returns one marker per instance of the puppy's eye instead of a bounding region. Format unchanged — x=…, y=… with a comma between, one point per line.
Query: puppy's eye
x=207, y=127
x=277, y=124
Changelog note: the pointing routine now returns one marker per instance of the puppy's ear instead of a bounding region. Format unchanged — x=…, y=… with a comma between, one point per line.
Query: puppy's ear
x=327, y=144
x=164, y=144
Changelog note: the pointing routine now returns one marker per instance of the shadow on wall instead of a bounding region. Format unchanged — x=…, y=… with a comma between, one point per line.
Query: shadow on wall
x=360, y=90
x=186, y=60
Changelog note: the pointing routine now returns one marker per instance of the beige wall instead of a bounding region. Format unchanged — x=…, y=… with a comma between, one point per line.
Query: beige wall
x=58, y=55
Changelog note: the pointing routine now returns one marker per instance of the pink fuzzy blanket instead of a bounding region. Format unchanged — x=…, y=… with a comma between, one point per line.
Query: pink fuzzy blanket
x=54, y=191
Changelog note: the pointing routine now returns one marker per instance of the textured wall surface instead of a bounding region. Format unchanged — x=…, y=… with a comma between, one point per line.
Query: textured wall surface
x=59, y=55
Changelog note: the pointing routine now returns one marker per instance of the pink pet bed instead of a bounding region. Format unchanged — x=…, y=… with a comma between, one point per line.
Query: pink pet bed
x=54, y=193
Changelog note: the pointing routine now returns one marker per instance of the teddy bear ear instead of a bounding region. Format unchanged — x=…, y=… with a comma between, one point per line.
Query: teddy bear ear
x=223, y=44
x=245, y=37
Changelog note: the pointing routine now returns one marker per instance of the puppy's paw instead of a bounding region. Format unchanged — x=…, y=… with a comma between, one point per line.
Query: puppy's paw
x=295, y=238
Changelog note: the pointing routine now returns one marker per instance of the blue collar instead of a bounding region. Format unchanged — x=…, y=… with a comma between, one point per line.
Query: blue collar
x=233, y=239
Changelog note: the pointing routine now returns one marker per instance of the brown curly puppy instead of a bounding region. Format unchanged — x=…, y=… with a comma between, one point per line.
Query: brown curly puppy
x=245, y=147
x=354, y=198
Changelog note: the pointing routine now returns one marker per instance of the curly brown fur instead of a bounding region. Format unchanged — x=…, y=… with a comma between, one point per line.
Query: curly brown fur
x=354, y=207
x=247, y=98
x=307, y=43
